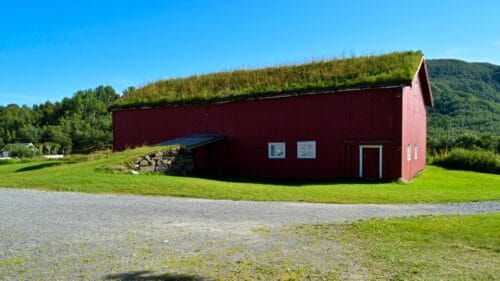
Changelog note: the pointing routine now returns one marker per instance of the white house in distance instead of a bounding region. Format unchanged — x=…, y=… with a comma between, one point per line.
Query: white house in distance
x=6, y=150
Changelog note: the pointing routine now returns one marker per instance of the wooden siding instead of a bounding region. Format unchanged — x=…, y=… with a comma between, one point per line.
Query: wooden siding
x=338, y=122
x=414, y=131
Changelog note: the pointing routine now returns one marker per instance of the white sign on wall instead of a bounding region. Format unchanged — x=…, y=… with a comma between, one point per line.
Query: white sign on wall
x=306, y=149
x=276, y=150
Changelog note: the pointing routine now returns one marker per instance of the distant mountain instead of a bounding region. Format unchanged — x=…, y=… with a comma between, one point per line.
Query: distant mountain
x=466, y=97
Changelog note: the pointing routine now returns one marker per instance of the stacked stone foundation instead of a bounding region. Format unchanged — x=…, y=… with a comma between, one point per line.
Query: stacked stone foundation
x=175, y=161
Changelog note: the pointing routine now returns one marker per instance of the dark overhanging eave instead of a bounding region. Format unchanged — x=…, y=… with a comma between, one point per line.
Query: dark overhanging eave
x=423, y=74
x=428, y=89
x=193, y=141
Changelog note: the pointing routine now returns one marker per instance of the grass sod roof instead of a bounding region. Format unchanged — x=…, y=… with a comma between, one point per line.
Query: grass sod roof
x=397, y=68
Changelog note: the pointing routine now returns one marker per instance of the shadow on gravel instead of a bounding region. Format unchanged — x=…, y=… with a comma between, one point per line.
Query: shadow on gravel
x=146, y=276
x=38, y=167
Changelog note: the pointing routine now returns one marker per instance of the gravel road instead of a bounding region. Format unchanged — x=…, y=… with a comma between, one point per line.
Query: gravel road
x=61, y=236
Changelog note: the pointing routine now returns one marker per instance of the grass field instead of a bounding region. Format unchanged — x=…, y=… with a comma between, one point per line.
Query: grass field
x=418, y=248
x=434, y=185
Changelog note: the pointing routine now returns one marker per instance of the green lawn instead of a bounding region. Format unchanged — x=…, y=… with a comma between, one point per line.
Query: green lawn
x=434, y=185
x=424, y=248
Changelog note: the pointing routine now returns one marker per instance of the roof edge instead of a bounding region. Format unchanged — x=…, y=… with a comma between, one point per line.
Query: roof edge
x=262, y=97
x=423, y=74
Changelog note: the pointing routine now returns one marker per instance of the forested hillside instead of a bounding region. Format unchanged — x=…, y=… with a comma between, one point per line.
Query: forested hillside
x=466, y=113
x=466, y=96
x=467, y=104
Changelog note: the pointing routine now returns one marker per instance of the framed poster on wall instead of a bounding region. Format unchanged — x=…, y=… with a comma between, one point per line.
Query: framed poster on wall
x=306, y=149
x=276, y=150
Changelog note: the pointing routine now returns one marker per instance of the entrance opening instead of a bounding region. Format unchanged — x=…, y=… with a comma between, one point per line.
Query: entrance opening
x=370, y=161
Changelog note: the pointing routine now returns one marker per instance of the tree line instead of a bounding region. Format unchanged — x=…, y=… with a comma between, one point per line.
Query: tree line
x=79, y=124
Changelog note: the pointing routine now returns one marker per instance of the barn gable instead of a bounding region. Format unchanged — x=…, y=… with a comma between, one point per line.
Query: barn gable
x=423, y=75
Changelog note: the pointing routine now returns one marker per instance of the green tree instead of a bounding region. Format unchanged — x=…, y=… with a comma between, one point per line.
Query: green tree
x=106, y=94
x=55, y=134
x=29, y=133
x=87, y=120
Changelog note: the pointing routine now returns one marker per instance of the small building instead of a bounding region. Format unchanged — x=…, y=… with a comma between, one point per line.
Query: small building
x=6, y=150
x=359, y=117
x=5, y=153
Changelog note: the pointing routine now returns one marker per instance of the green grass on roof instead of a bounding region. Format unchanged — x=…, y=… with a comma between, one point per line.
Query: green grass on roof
x=377, y=70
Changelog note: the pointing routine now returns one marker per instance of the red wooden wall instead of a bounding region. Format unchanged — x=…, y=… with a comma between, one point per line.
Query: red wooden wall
x=338, y=122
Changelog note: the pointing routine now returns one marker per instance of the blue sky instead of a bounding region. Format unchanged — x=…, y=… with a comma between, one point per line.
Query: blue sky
x=51, y=49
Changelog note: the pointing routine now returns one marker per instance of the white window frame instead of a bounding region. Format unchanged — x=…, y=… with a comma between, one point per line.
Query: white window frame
x=408, y=152
x=270, y=144
x=380, y=158
x=415, y=151
x=313, y=143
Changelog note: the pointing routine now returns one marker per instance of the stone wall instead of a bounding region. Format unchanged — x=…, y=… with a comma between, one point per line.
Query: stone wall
x=175, y=161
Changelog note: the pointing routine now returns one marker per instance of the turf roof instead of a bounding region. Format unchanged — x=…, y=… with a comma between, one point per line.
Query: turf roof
x=397, y=68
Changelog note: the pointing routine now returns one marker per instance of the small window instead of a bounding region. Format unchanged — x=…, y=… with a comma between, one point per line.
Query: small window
x=306, y=149
x=408, y=152
x=415, y=156
x=276, y=150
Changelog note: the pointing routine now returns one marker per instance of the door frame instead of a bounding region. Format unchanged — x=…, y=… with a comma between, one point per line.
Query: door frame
x=380, y=153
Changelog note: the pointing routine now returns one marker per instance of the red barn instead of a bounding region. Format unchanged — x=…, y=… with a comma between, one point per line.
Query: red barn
x=373, y=126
